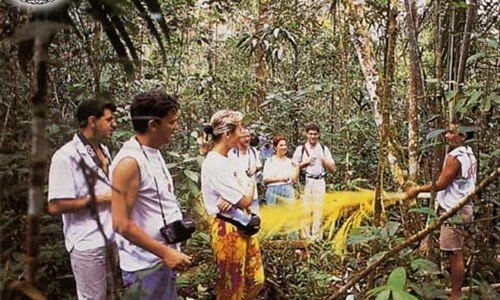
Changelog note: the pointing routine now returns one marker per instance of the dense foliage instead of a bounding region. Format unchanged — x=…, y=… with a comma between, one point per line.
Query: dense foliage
x=210, y=60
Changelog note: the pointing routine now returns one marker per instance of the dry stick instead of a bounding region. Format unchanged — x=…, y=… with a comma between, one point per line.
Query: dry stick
x=418, y=236
x=111, y=267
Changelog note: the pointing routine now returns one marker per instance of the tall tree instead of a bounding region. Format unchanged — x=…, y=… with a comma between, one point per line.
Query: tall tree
x=416, y=89
x=360, y=36
x=260, y=54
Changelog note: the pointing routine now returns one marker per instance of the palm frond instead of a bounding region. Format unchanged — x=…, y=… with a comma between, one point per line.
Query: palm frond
x=101, y=15
x=151, y=26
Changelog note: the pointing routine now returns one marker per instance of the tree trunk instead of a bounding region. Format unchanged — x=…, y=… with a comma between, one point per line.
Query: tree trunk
x=385, y=103
x=260, y=56
x=464, y=49
x=38, y=161
x=362, y=43
x=416, y=91
x=451, y=49
x=344, y=57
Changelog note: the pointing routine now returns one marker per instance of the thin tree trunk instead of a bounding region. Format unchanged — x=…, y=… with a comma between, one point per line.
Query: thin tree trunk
x=416, y=91
x=386, y=101
x=344, y=57
x=451, y=49
x=362, y=43
x=464, y=49
x=260, y=56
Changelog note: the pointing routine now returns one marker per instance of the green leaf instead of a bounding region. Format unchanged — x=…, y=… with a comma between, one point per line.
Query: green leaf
x=434, y=133
x=384, y=295
x=431, y=80
x=392, y=228
x=397, y=278
x=402, y=295
x=475, y=95
x=424, y=266
x=475, y=57
x=378, y=290
x=192, y=175
x=375, y=257
x=424, y=210
x=451, y=94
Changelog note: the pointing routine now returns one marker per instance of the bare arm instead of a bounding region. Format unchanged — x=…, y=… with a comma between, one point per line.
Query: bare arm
x=329, y=165
x=59, y=206
x=126, y=180
x=244, y=202
x=448, y=174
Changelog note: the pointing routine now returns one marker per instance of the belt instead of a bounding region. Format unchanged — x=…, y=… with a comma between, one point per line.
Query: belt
x=319, y=176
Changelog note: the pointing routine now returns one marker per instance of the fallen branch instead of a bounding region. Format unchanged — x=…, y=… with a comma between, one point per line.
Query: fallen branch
x=418, y=236
x=466, y=289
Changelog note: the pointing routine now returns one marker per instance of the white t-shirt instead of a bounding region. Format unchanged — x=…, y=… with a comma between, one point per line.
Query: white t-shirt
x=464, y=183
x=147, y=212
x=219, y=180
x=67, y=181
x=318, y=152
x=243, y=162
x=278, y=168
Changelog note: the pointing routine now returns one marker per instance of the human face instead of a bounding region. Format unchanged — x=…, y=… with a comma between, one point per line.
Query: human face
x=166, y=127
x=244, y=139
x=312, y=137
x=281, y=148
x=233, y=138
x=104, y=125
x=453, y=136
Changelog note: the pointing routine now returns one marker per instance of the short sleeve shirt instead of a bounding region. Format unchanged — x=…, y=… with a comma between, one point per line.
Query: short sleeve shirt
x=317, y=151
x=67, y=181
x=219, y=179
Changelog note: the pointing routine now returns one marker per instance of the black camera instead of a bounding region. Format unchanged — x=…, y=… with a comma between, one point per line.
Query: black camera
x=178, y=231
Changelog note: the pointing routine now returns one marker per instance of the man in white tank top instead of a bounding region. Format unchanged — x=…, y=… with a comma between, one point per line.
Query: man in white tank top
x=144, y=201
x=457, y=179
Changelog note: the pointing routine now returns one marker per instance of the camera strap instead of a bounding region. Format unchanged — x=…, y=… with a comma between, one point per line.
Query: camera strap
x=93, y=154
x=250, y=149
x=156, y=183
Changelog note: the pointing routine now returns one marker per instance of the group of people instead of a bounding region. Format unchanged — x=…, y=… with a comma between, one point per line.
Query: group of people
x=136, y=209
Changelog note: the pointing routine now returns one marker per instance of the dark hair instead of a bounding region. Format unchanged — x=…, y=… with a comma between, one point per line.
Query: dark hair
x=254, y=140
x=148, y=106
x=94, y=107
x=313, y=127
x=277, y=139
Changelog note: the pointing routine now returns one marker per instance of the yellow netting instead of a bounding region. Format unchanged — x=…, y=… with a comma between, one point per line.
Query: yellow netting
x=353, y=206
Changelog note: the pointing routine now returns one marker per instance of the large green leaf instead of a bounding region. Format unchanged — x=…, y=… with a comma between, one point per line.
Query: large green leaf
x=397, y=278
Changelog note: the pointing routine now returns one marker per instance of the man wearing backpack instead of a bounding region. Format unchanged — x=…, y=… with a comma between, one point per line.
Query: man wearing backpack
x=247, y=161
x=314, y=160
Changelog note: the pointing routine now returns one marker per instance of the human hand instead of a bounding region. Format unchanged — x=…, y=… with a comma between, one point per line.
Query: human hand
x=412, y=193
x=223, y=205
x=251, y=171
x=312, y=160
x=176, y=260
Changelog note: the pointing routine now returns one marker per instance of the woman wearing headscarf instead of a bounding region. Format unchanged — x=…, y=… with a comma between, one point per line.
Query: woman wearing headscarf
x=236, y=253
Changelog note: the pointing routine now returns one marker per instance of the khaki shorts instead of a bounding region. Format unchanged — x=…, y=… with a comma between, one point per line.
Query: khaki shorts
x=452, y=234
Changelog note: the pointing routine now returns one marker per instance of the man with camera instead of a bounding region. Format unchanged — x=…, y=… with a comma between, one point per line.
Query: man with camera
x=313, y=159
x=247, y=162
x=145, y=210
x=79, y=189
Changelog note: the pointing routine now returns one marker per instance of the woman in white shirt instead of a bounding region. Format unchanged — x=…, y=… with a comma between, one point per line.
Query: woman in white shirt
x=236, y=254
x=280, y=172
